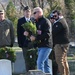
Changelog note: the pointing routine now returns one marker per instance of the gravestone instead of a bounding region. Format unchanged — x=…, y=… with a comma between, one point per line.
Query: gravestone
x=19, y=65
x=36, y=72
x=50, y=63
x=5, y=67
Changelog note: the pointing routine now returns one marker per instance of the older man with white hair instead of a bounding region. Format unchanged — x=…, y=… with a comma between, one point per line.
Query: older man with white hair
x=44, y=37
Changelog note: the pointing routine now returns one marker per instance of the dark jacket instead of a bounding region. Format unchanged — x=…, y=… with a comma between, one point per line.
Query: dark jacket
x=6, y=33
x=45, y=39
x=22, y=40
x=60, y=32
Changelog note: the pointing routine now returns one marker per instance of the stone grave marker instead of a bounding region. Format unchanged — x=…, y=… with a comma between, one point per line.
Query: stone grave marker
x=5, y=67
x=35, y=72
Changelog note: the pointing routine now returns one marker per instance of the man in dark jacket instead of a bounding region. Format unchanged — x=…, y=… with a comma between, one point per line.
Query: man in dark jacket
x=6, y=31
x=60, y=31
x=44, y=38
x=21, y=33
x=52, y=55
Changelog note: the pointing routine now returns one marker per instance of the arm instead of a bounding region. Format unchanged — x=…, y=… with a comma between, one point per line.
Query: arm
x=12, y=34
x=19, y=33
x=47, y=31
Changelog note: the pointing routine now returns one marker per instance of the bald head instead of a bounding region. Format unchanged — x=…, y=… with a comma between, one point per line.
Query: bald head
x=39, y=10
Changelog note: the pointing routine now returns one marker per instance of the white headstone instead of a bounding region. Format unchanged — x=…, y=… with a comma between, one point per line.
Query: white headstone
x=35, y=72
x=19, y=64
x=50, y=63
x=5, y=67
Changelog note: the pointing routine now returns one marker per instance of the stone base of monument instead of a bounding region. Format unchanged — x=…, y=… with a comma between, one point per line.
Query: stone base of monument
x=47, y=74
x=5, y=67
x=36, y=72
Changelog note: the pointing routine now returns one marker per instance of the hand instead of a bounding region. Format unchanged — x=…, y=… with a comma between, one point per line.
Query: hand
x=39, y=32
x=32, y=38
x=26, y=33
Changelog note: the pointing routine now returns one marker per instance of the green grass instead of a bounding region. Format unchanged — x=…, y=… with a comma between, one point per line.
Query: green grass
x=16, y=48
x=71, y=58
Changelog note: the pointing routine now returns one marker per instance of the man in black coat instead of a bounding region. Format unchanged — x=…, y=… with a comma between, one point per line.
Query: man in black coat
x=44, y=38
x=60, y=31
x=23, y=42
x=52, y=55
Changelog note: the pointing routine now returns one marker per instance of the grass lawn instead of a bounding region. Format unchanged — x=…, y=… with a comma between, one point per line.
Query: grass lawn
x=71, y=58
x=16, y=48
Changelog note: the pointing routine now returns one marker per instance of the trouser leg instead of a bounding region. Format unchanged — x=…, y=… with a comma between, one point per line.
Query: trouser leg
x=61, y=58
x=42, y=60
x=25, y=58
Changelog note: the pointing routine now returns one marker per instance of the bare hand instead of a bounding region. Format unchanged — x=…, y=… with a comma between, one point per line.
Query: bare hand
x=32, y=38
x=26, y=33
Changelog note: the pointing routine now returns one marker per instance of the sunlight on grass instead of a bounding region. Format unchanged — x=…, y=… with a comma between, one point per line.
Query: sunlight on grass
x=71, y=58
x=16, y=48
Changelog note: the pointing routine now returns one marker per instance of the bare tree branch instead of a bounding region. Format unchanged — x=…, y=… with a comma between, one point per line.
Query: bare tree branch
x=2, y=6
x=21, y=5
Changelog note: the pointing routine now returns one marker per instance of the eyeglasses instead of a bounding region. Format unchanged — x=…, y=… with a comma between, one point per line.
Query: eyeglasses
x=35, y=12
x=54, y=15
x=51, y=17
x=1, y=13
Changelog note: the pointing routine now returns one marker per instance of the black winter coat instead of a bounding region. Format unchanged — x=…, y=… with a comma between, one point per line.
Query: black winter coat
x=22, y=40
x=60, y=32
x=45, y=37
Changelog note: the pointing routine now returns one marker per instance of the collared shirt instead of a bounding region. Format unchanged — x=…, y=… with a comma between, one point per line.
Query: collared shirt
x=27, y=19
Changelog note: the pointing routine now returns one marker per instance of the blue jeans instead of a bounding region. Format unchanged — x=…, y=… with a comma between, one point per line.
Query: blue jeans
x=42, y=61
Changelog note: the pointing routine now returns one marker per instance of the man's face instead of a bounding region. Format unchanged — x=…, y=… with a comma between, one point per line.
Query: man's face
x=1, y=16
x=56, y=16
x=36, y=14
x=27, y=13
x=52, y=20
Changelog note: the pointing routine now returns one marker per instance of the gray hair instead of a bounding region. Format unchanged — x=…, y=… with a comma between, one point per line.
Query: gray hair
x=38, y=9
